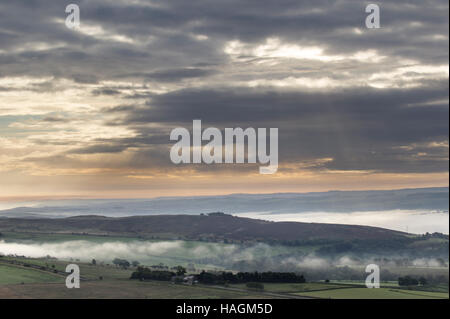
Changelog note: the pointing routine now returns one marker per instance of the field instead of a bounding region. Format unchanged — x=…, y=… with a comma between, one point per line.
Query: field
x=17, y=275
x=350, y=291
x=101, y=281
x=43, y=277
x=17, y=281
x=294, y=287
x=124, y=289
x=380, y=293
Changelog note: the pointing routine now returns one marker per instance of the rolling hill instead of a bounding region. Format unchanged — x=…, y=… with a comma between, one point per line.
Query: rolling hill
x=210, y=226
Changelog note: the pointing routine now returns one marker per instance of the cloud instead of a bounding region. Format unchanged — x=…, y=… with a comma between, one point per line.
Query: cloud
x=345, y=98
x=174, y=75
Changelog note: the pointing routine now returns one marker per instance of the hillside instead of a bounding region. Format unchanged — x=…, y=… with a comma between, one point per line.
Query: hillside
x=212, y=226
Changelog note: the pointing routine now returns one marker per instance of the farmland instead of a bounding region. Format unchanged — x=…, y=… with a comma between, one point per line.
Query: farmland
x=381, y=293
x=101, y=281
x=33, y=263
x=17, y=275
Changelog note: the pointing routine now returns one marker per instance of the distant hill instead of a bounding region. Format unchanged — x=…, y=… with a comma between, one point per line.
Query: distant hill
x=432, y=199
x=212, y=226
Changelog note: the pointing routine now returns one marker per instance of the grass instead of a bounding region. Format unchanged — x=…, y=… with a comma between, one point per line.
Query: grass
x=123, y=289
x=379, y=293
x=383, y=284
x=18, y=275
x=88, y=271
x=353, y=290
x=294, y=287
x=115, y=284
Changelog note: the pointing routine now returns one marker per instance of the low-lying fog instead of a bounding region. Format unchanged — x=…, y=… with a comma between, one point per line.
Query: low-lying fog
x=413, y=221
x=184, y=251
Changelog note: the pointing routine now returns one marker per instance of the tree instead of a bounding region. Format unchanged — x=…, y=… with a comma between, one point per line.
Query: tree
x=121, y=262
x=423, y=281
x=135, y=263
x=407, y=281
x=143, y=273
x=180, y=270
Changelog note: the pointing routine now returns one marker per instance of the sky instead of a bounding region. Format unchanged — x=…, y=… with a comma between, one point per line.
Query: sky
x=87, y=112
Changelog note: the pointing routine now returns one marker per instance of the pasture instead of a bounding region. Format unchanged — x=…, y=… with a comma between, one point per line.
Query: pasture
x=10, y=274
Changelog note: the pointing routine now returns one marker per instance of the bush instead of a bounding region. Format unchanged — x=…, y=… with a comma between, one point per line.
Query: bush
x=407, y=281
x=144, y=273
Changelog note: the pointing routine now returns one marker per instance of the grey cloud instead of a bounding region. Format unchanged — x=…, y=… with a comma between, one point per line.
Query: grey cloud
x=171, y=23
x=101, y=148
x=55, y=119
x=359, y=127
x=362, y=129
x=173, y=75
x=105, y=91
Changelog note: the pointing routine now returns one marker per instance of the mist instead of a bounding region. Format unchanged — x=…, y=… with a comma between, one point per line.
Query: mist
x=412, y=221
x=255, y=257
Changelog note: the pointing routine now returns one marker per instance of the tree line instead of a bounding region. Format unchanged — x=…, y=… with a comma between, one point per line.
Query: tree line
x=244, y=277
x=411, y=281
x=144, y=273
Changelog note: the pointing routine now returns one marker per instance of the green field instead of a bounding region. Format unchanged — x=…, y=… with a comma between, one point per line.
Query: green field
x=125, y=289
x=294, y=288
x=349, y=290
x=87, y=271
x=17, y=281
x=379, y=293
x=18, y=275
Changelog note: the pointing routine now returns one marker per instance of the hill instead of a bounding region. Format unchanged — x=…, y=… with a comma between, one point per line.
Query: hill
x=429, y=199
x=211, y=226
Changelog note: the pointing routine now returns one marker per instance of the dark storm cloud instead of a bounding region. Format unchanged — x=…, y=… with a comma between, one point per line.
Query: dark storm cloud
x=179, y=42
x=174, y=75
x=95, y=149
x=360, y=129
x=245, y=105
x=105, y=91
x=170, y=25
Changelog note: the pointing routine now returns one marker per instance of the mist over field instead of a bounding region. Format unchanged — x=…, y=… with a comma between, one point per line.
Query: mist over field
x=220, y=255
x=412, y=221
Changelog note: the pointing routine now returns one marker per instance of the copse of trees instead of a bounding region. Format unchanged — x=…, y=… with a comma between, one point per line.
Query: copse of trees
x=410, y=281
x=144, y=273
x=121, y=262
x=180, y=270
x=244, y=277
